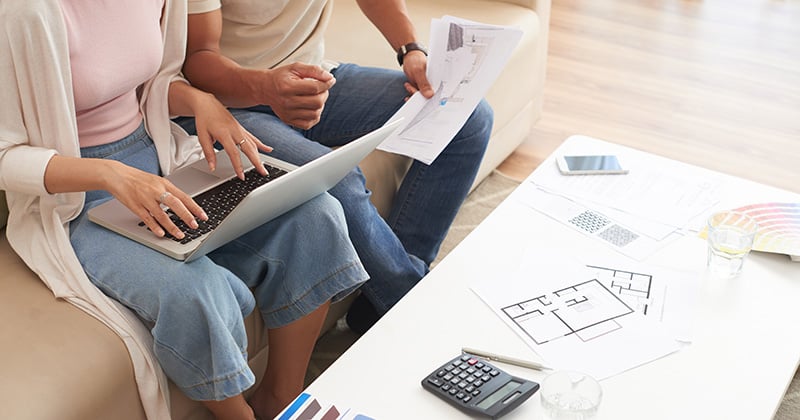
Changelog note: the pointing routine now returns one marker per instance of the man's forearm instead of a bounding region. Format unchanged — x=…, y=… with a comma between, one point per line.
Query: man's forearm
x=391, y=19
x=232, y=84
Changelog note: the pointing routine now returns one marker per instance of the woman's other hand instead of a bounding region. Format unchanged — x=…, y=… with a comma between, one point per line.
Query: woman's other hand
x=214, y=124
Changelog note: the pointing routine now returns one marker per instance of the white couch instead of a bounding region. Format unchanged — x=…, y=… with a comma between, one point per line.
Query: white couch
x=59, y=363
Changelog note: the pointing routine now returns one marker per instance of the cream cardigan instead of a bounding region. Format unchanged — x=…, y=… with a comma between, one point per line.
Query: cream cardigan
x=37, y=120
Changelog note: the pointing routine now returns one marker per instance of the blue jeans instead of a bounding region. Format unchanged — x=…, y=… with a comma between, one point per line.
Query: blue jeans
x=398, y=251
x=195, y=310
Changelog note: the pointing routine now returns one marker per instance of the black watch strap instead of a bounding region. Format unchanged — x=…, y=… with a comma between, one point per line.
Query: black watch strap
x=411, y=46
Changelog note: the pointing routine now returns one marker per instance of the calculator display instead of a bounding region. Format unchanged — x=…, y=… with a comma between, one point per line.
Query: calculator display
x=497, y=395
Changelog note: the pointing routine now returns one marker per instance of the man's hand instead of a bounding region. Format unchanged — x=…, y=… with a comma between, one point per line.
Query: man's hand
x=297, y=93
x=415, y=65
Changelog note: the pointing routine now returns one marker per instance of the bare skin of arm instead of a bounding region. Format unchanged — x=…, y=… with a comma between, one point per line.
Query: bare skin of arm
x=391, y=19
x=296, y=92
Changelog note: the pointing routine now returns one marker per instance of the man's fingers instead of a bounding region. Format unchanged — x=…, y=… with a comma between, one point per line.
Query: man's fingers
x=308, y=71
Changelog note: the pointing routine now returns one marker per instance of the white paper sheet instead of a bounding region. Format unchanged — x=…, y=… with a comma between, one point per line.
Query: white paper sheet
x=602, y=319
x=464, y=60
x=656, y=190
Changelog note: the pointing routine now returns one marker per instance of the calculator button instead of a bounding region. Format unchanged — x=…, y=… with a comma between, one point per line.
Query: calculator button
x=487, y=369
x=477, y=384
x=471, y=370
x=494, y=372
x=455, y=371
x=435, y=382
x=480, y=365
x=469, y=389
x=486, y=378
x=472, y=361
x=446, y=387
x=441, y=373
x=447, y=377
x=462, y=384
x=453, y=391
x=460, y=395
x=466, y=399
x=470, y=379
x=455, y=381
x=449, y=368
x=465, y=357
x=476, y=392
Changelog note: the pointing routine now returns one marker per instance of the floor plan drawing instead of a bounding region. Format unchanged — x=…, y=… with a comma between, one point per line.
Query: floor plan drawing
x=597, y=316
x=585, y=310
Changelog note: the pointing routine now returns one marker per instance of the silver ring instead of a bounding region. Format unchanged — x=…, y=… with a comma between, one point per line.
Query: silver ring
x=163, y=197
x=239, y=145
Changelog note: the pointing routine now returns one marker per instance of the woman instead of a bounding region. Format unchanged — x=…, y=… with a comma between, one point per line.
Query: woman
x=88, y=89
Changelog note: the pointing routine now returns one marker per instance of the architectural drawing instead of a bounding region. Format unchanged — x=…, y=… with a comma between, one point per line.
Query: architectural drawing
x=467, y=47
x=585, y=310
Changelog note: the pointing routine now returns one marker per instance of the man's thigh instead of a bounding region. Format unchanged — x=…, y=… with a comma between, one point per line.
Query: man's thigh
x=289, y=144
x=362, y=100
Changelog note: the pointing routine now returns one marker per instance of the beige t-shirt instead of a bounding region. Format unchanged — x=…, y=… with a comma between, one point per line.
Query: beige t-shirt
x=269, y=33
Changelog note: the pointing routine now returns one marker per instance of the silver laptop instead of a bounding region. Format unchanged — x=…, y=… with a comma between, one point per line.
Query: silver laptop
x=260, y=199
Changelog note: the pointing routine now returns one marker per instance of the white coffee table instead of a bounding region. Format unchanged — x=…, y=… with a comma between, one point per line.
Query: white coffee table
x=745, y=350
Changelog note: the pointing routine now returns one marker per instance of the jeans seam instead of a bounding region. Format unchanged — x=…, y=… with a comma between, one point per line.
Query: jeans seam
x=341, y=270
x=207, y=381
x=412, y=191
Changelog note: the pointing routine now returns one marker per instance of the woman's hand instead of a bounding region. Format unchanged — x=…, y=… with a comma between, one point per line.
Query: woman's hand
x=214, y=123
x=147, y=195
x=143, y=193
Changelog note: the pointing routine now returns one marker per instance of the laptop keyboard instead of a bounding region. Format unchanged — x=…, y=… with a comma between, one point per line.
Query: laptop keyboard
x=220, y=201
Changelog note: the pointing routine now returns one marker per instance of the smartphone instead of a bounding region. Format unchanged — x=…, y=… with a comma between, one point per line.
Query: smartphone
x=590, y=165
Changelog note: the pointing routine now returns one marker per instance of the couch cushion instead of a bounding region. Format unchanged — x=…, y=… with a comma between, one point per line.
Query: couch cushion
x=3, y=209
x=58, y=362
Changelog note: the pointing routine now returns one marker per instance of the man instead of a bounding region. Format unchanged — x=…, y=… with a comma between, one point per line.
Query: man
x=264, y=59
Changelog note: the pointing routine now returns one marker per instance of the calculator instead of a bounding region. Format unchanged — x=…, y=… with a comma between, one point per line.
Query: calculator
x=476, y=387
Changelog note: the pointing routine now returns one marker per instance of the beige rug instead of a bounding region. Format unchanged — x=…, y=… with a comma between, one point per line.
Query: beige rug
x=478, y=205
x=494, y=189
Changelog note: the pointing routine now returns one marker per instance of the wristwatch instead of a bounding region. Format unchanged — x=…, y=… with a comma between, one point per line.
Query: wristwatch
x=405, y=49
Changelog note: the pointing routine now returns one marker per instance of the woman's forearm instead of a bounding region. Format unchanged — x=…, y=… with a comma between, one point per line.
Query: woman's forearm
x=185, y=100
x=73, y=174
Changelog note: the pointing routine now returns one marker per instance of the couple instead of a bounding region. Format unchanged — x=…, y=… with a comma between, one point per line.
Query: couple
x=86, y=119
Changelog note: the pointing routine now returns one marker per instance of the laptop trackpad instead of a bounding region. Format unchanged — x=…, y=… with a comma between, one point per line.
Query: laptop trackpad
x=193, y=181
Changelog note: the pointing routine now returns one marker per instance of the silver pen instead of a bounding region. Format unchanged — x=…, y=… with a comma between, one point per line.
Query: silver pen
x=505, y=359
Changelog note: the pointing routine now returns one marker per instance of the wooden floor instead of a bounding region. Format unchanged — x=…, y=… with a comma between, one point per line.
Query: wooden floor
x=712, y=83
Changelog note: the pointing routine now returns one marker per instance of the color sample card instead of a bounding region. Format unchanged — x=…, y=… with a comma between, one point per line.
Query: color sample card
x=778, y=227
x=306, y=407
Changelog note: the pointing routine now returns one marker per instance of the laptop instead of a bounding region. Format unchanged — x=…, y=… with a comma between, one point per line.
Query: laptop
x=247, y=204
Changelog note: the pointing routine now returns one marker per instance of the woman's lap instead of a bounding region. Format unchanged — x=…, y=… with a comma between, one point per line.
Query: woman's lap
x=195, y=310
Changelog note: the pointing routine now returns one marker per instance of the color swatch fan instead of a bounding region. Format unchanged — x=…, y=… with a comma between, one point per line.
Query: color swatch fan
x=778, y=227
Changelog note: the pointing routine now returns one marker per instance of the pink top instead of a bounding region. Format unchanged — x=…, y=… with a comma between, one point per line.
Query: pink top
x=114, y=46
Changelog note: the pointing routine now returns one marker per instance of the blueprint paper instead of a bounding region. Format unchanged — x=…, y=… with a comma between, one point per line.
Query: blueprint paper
x=599, y=319
x=464, y=60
